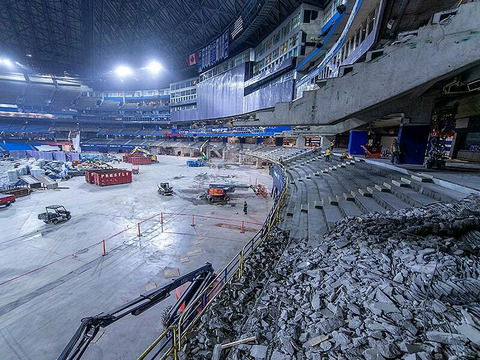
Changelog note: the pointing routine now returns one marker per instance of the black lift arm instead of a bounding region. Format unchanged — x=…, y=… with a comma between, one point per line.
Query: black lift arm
x=91, y=325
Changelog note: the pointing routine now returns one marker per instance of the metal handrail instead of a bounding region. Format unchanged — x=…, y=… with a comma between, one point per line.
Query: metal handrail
x=200, y=303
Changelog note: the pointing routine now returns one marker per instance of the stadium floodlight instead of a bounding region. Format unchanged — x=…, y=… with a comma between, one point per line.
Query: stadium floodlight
x=154, y=67
x=123, y=71
x=6, y=62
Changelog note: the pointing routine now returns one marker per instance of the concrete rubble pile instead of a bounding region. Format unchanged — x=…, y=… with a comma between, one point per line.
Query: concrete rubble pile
x=10, y=171
x=398, y=285
x=223, y=323
x=5, y=167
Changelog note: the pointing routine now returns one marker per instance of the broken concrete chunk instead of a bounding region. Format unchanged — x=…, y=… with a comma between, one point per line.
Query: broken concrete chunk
x=316, y=340
x=258, y=351
x=470, y=332
x=385, y=307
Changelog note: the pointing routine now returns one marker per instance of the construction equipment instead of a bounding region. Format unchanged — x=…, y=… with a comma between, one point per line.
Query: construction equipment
x=147, y=153
x=196, y=163
x=443, y=127
x=54, y=214
x=374, y=152
x=7, y=200
x=165, y=189
x=218, y=193
x=202, y=151
x=198, y=280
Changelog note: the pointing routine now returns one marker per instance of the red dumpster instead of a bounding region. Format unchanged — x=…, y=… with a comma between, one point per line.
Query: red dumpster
x=113, y=178
x=140, y=160
x=89, y=178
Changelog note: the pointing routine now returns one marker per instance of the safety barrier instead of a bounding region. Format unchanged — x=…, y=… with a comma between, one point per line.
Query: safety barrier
x=104, y=242
x=170, y=341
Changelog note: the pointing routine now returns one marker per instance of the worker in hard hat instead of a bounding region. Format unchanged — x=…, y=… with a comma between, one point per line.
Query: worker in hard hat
x=327, y=154
x=395, y=150
x=332, y=144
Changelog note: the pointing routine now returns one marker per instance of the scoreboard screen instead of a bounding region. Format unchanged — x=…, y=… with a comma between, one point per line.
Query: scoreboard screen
x=214, y=52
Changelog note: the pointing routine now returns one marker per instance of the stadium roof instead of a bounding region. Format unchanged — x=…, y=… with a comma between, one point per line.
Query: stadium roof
x=90, y=37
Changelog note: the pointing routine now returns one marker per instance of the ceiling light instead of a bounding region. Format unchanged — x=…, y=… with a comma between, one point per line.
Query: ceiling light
x=154, y=67
x=6, y=62
x=123, y=71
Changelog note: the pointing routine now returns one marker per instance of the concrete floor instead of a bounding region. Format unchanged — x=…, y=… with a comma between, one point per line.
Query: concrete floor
x=40, y=311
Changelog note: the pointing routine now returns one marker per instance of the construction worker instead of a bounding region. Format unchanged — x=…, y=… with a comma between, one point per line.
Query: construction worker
x=332, y=144
x=327, y=155
x=395, y=150
x=245, y=207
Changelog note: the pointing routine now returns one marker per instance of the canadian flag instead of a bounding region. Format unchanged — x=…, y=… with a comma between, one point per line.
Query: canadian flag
x=192, y=59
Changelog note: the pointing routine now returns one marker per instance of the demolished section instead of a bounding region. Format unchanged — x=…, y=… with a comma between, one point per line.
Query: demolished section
x=403, y=284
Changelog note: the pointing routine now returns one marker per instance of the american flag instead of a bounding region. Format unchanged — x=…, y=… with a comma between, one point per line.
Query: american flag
x=237, y=27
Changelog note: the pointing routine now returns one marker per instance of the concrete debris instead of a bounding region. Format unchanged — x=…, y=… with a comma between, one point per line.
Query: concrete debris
x=170, y=272
x=258, y=351
x=407, y=293
x=226, y=319
x=11, y=169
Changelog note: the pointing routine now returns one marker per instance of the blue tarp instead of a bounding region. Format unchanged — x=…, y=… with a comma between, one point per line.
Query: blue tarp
x=12, y=146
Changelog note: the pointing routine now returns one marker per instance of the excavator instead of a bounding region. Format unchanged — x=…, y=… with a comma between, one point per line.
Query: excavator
x=187, y=287
x=144, y=151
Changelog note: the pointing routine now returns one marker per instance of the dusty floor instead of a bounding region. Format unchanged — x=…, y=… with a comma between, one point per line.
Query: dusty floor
x=40, y=308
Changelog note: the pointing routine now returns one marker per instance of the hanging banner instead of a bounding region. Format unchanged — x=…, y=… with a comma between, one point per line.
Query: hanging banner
x=192, y=59
x=214, y=52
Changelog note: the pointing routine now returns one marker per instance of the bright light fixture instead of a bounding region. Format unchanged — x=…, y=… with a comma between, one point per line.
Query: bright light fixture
x=123, y=71
x=154, y=67
x=6, y=62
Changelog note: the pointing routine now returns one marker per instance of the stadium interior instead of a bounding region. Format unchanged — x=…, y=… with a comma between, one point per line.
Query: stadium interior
x=291, y=179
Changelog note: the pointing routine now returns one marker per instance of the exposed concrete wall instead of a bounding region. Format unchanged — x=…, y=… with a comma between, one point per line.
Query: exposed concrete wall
x=400, y=75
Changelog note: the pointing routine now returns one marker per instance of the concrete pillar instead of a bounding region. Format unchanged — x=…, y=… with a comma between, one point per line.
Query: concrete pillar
x=355, y=142
x=324, y=143
x=413, y=140
x=224, y=153
x=240, y=158
x=300, y=142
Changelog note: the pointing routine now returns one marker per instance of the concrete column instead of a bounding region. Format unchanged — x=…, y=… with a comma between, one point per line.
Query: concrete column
x=300, y=142
x=324, y=143
x=224, y=154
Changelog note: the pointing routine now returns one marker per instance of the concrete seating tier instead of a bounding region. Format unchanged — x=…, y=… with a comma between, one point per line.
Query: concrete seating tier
x=322, y=192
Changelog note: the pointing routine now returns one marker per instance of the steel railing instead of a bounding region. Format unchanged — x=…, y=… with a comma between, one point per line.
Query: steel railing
x=170, y=340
